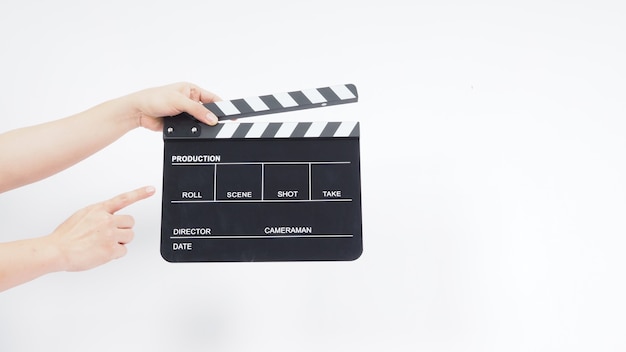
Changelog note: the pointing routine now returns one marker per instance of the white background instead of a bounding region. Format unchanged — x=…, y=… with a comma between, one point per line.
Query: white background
x=493, y=174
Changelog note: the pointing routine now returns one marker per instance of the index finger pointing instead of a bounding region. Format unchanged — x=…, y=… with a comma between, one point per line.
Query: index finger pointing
x=125, y=199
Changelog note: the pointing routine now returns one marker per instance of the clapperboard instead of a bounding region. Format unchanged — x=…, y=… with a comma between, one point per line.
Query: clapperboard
x=263, y=191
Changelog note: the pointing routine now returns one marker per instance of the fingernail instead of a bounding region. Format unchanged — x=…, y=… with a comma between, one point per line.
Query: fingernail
x=212, y=118
x=150, y=189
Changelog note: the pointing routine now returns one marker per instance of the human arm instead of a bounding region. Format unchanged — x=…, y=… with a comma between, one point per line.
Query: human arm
x=32, y=153
x=92, y=236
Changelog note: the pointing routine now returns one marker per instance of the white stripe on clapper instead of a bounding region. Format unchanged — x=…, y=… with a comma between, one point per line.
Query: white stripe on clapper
x=257, y=129
x=256, y=104
x=314, y=96
x=227, y=131
x=316, y=129
x=344, y=129
x=227, y=107
x=343, y=92
x=286, y=129
x=285, y=100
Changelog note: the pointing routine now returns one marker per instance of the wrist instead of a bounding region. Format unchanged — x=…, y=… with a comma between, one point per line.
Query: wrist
x=24, y=260
x=51, y=255
x=127, y=112
x=122, y=114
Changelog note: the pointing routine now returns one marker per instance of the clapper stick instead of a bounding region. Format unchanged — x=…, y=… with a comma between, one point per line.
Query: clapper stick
x=283, y=102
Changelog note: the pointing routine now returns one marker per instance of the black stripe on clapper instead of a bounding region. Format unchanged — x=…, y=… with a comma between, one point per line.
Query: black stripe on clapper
x=355, y=131
x=300, y=98
x=352, y=88
x=271, y=130
x=271, y=102
x=328, y=94
x=211, y=132
x=330, y=129
x=300, y=129
x=242, y=130
x=242, y=106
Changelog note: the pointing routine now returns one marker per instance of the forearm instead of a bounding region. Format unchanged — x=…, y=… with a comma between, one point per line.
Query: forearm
x=33, y=153
x=25, y=260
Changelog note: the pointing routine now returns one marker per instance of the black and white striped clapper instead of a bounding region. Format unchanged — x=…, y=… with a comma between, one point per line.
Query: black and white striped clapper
x=263, y=191
x=282, y=102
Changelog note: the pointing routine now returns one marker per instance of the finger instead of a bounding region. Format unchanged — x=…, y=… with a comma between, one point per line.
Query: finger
x=119, y=251
x=124, y=236
x=124, y=221
x=196, y=110
x=194, y=93
x=125, y=199
x=208, y=97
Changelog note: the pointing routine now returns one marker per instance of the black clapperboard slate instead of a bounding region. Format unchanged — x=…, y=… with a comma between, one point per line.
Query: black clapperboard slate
x=263, y=191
